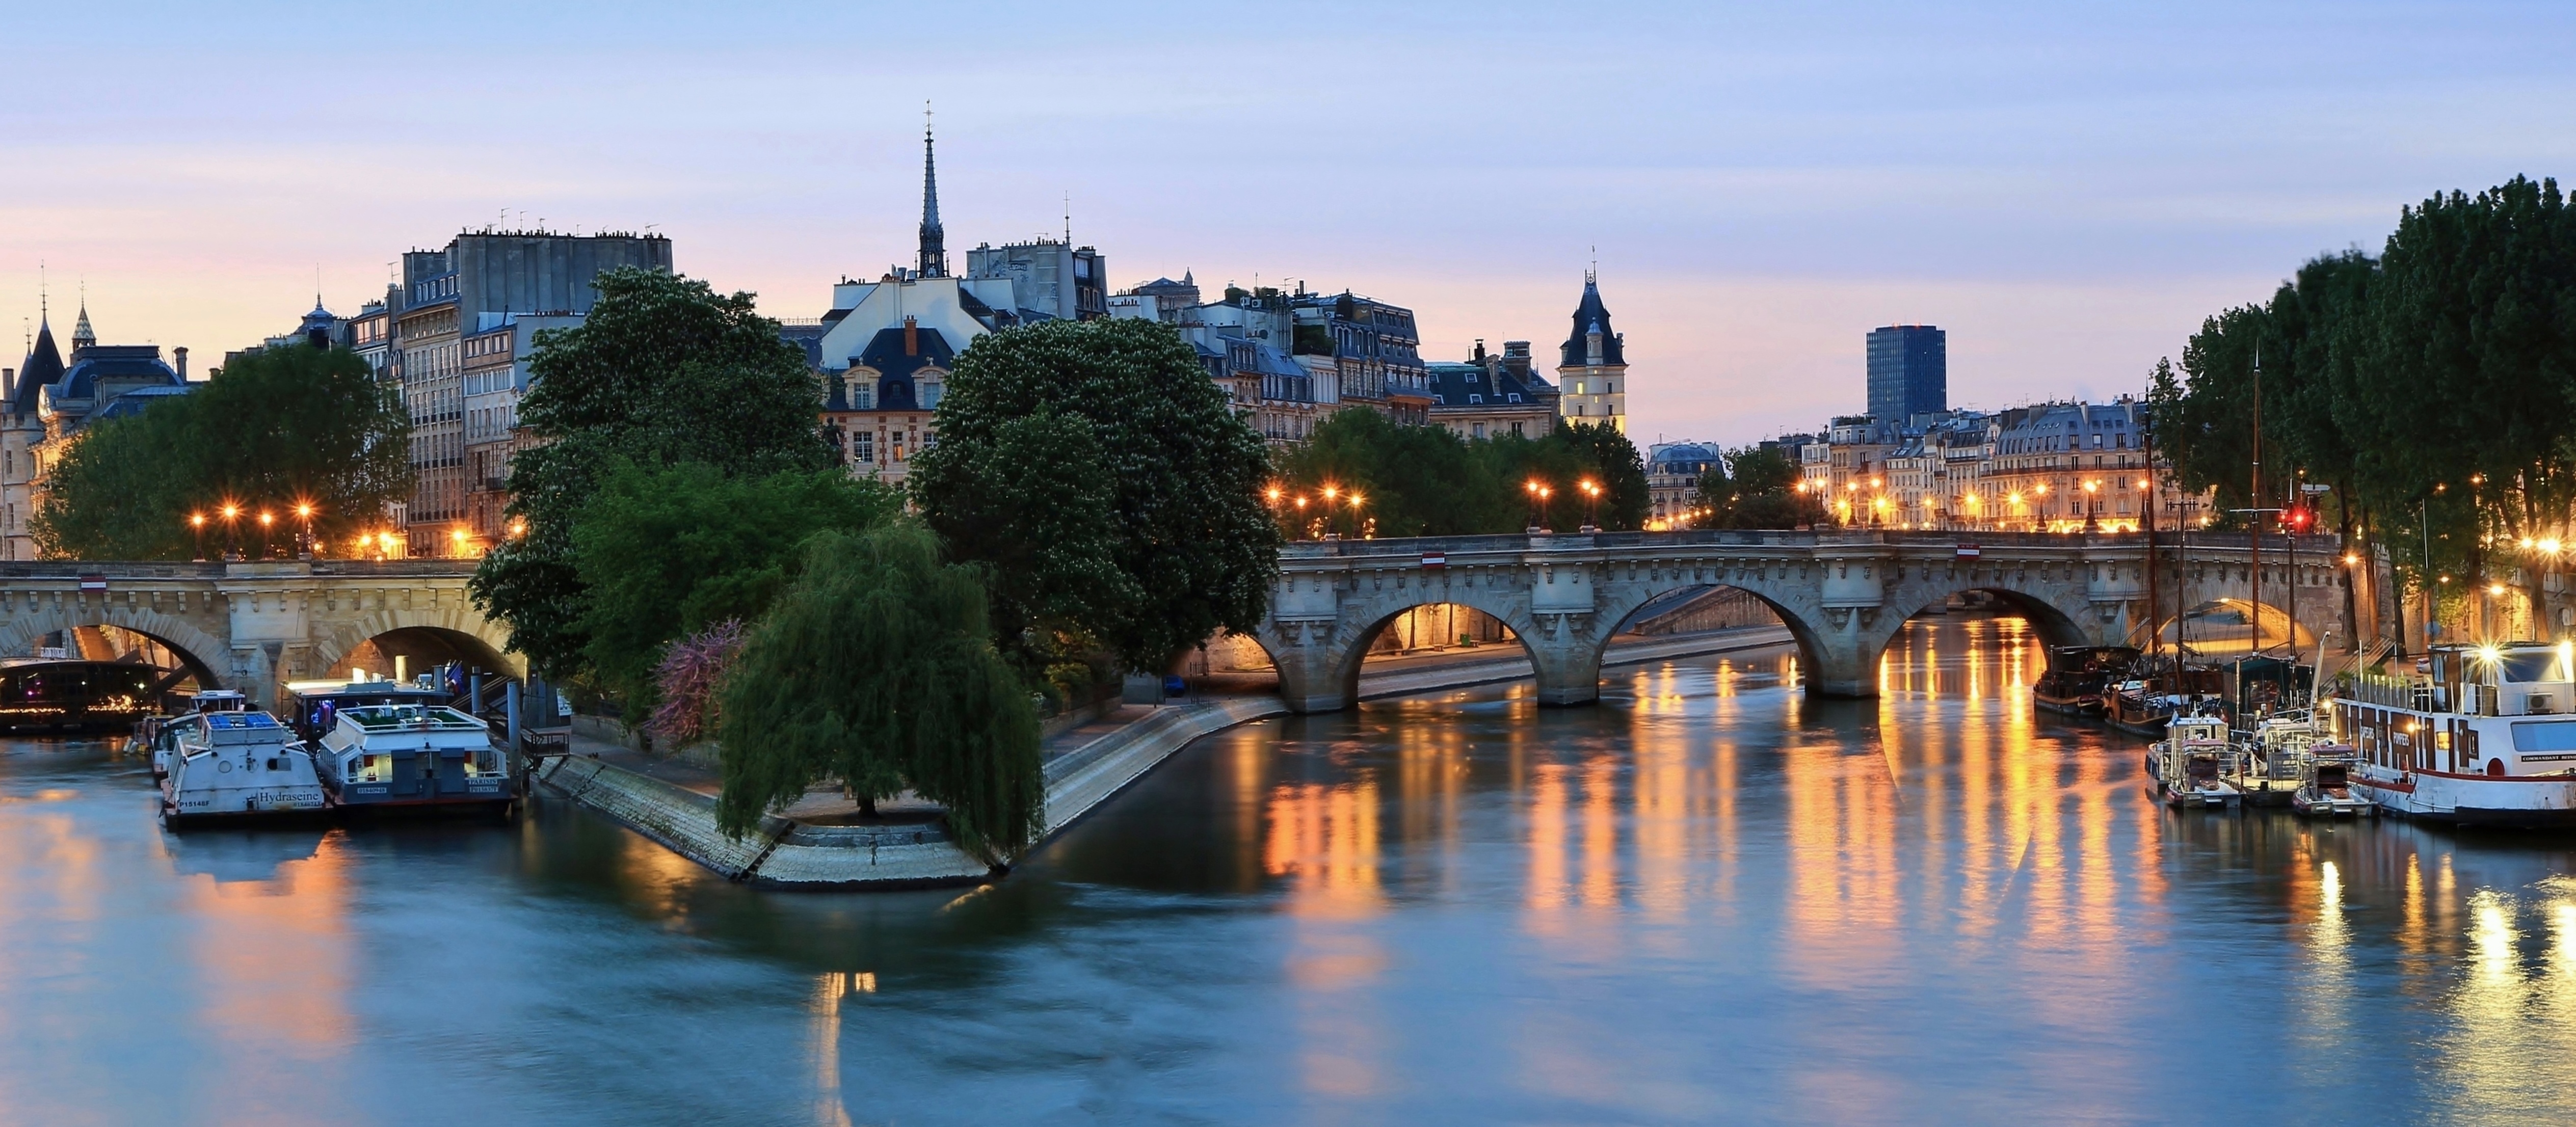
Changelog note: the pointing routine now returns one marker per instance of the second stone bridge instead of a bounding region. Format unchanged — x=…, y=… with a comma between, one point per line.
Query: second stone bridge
x=1843, y=595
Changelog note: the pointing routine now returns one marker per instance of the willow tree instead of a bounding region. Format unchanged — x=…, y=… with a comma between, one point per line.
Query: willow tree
x=876, y=668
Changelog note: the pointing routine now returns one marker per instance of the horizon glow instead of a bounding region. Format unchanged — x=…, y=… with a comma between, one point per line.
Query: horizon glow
x=2067, y=192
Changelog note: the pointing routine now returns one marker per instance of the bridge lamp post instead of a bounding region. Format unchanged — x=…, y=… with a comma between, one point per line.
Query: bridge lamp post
x=304, y=512
x=1301, y=515
x=232, y=529
x=2092, y=507
x=1332, y=525
x=1591, y=505
x=1356, y=501
x=1538, y=501
x=267, y=520
x=197, y=524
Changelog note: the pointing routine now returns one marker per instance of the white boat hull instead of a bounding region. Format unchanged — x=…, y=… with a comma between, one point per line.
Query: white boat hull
x=2506, y=801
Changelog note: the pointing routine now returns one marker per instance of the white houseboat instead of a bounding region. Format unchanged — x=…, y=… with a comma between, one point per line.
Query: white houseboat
x=2486, y=737
x=233, y=765
x=411, y=755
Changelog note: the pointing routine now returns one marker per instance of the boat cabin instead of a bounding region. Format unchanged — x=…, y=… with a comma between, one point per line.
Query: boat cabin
x=314, y=707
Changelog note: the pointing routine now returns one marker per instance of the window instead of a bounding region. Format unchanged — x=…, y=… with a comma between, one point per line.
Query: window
x=864, y=447
x=1475, y=399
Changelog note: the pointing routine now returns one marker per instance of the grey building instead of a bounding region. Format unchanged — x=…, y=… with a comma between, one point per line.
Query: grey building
x=471, y=288
x=1048, y=278
x=1909, y=372
x=1373, y=348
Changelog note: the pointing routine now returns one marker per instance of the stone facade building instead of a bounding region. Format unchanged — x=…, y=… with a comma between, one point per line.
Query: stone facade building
x=49, y=400
x=1592, y=367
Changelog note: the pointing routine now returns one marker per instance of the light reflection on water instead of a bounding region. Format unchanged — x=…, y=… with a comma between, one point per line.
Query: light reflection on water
x=1708, y=899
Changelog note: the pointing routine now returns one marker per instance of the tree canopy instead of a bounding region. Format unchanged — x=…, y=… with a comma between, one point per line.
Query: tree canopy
x=270, y=430
x=1756, y=487
x=1428, y=481
x=663, y=371
x=876, y=667
x=666, y=551
x=1107, y=488
x=2433, y=387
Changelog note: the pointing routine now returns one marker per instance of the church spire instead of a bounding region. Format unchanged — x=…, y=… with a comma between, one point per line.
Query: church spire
x=934, y=255
x=82, y=337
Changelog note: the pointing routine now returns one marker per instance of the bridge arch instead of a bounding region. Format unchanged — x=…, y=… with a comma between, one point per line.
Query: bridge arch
x=196, y=650
x=450, y=632
x=1319, y=662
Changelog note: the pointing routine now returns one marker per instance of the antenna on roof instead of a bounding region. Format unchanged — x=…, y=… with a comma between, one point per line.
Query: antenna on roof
x=1068, y=217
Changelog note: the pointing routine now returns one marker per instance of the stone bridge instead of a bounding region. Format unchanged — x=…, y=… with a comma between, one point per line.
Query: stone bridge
x=1843, y=595
x=254, y=626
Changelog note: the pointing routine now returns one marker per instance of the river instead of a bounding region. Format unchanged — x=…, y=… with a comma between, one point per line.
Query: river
x=1705, y=900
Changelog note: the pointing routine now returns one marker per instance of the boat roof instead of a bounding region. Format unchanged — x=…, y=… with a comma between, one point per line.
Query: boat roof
x=374, y=718
x=344, y=688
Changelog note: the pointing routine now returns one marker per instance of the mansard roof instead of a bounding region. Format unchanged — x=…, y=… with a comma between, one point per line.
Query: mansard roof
x=113, y=361
x=1591, y=316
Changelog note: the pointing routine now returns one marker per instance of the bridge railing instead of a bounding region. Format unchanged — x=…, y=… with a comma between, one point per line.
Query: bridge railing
x=1715, y=537
x=71, y=570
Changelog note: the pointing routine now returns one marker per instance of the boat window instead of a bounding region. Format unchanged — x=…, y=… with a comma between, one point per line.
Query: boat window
x=2546, y=735
x=2530, y=665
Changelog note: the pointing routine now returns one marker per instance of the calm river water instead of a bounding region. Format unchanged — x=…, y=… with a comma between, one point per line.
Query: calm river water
x=1706, y=900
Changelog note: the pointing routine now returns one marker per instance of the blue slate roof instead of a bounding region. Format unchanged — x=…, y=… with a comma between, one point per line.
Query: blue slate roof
x=895, y=370
x=44, y=365
x=108, y=361
x=1588, y=316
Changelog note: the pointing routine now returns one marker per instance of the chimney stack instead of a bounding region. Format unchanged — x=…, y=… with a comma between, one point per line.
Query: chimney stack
x=180, y=354
x=911, y=337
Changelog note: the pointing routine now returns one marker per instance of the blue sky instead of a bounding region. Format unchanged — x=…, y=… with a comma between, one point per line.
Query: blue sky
x=2067, y=188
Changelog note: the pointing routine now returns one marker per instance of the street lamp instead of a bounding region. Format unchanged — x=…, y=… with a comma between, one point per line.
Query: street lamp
x=304, y=513
x=232, y=539
x=1356, y=501
x=267, y=520
x=197, y=524
x=1591, y=502
x=2092, y=506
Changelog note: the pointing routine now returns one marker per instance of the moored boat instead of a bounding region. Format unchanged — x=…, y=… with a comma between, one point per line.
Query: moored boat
x=2484, y=737
x=2325, y=785
x=2077, y=676
x=225, y=765
x=152, y=729
x=381, y=756
x=2273, y=754
x=2191, y=768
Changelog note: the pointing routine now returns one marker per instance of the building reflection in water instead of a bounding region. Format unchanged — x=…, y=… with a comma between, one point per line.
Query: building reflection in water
x=831, y=989
x=1323, y=840
x=269, y=964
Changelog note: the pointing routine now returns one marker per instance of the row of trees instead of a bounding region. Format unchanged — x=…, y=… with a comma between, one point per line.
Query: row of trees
x=1428, y=481
x=694, y=550
x=1756, y=487
x=2432, y=386
x=276, y=429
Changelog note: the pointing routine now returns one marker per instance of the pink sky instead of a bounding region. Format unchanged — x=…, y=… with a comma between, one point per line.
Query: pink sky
x=2066, y=193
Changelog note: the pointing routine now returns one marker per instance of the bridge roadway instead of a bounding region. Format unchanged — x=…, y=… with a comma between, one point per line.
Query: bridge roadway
x=1843, y=595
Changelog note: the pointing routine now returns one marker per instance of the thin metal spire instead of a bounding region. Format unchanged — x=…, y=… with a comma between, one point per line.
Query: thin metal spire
x=933, y=261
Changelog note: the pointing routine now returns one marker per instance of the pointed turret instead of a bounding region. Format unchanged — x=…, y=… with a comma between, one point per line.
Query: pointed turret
x=44, y=366
x=1592, y=330
x=934, y=255
x=82, y=337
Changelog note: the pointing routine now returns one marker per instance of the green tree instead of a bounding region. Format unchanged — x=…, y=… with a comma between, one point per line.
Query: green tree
x=1412, y=480
x=1616, y=467
x=664, y=551
x=662, y=371
x=1756, y=487
x=1189, y=531
x=1036, y=512
x=876, y=667
x=271, y=430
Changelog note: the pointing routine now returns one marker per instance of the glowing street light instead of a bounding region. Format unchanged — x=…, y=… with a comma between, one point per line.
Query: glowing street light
x=197, y=524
